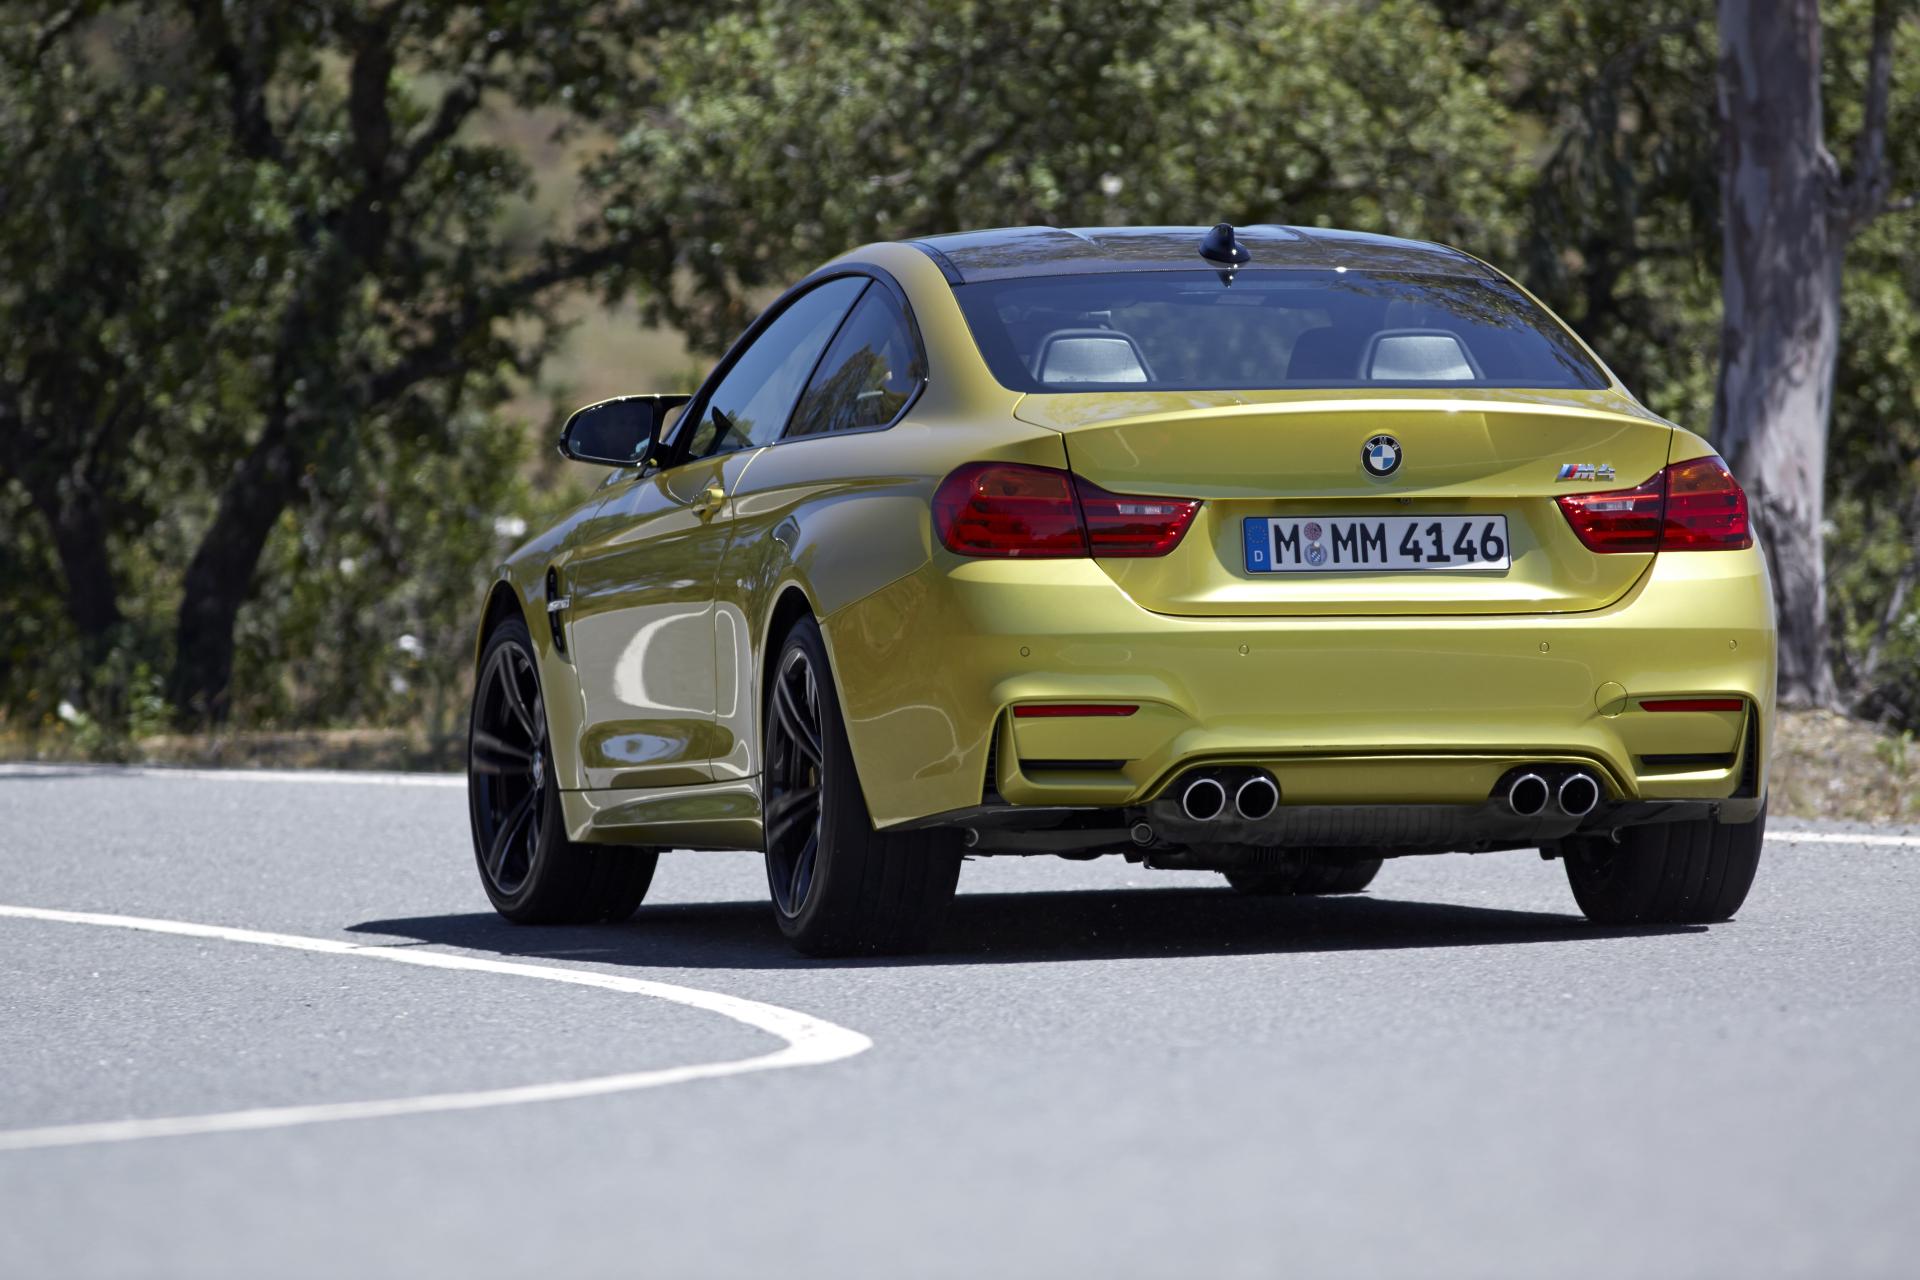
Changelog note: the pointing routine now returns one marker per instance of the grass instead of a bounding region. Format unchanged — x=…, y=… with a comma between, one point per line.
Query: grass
x=1824, y=765
x=1827, y=766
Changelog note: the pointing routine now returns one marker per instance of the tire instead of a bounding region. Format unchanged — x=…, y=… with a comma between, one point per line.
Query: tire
x=839, y=887
x=532, y=873
x=1666, y=873
x=1319, y=875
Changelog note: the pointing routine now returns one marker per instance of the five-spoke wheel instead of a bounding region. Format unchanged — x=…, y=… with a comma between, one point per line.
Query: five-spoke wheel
x=532, y=872
x=839, y=886
x=508, y=766
x=795, y=760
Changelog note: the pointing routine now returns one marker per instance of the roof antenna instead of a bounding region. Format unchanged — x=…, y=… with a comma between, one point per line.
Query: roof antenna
x=1218, y=245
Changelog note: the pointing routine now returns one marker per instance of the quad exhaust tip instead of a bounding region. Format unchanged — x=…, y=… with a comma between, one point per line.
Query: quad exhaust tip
x=1257, y=797
x=1203, y=799
x=1578, y=795
x=1528, y=795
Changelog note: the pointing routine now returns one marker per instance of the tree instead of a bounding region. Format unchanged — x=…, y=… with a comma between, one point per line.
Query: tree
x=1788, y=215
x=112, y=313
x=789, y=132
x=404, y=279
x=342, y=215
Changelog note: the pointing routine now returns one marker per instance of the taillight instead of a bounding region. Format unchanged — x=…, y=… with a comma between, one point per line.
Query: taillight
x=1004, y=509
x=1121, y=524
x=1695, y=505
x=1013, y=510
x=1623, y=520
x=1706, y=508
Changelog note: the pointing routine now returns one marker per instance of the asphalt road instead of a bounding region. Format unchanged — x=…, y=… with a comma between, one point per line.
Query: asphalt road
x=1101, y=1071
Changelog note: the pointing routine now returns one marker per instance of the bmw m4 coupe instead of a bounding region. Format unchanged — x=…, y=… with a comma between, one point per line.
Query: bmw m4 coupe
x=1271, y=551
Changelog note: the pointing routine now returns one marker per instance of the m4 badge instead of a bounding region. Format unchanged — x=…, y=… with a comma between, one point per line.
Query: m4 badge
x=1585, y=471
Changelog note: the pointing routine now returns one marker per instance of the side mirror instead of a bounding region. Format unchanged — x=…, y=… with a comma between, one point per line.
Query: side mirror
x=620, y=432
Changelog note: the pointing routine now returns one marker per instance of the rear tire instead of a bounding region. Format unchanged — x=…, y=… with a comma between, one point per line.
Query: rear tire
x=1666, y=873
x=1320, y=875
x=839, y=887
x=532, y=872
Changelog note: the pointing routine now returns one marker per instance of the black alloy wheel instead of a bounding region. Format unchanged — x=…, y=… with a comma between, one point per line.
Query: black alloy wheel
x=839, y=886
x=508, y=766
x=795, y=762
x=532, y=872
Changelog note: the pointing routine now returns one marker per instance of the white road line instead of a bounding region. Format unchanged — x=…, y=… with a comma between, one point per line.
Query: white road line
x=1842, y=837
x=810, y=1041
x=369, y=778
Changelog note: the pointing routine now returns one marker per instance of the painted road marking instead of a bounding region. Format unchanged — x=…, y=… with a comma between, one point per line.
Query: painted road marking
x=368, y=778
x=1842, y=837
x=810, y=1041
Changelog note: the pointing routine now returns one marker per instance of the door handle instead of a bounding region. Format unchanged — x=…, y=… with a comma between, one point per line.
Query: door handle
x=711, y=501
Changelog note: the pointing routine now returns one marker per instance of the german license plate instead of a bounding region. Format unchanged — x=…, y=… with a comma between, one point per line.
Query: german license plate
x=1398, y=544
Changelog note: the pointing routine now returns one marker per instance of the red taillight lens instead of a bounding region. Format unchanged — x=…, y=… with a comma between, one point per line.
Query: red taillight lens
x=1005, y=509
x=1623, y=520
x=1695, y=505
x=1014, y=510
x=1120, y=524
x=1706, y=508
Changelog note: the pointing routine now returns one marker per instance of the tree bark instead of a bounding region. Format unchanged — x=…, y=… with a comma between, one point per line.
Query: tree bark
x=221, y=573
x=1783, y=239
x=79, y=531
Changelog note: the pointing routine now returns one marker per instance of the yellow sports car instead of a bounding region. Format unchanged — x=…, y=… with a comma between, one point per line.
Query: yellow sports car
x=1271, y=551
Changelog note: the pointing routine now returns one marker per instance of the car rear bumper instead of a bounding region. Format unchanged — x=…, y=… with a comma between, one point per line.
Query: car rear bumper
x=1341, y=710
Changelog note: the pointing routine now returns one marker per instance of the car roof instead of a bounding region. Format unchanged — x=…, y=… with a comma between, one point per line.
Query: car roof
x=1010, y=252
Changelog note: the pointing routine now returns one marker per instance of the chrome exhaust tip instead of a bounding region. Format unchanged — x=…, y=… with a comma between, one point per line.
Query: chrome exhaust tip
x=1203, y=799
x=1528, y=795
x=1578, y=795
x=1257, y=797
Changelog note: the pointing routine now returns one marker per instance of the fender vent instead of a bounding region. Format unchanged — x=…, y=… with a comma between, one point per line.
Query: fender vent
x=556, y=613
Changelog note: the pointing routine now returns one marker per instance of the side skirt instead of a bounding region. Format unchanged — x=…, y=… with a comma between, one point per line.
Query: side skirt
x=706, y=815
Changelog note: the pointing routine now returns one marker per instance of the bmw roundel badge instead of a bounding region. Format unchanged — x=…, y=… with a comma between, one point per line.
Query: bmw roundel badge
x=1381, y=456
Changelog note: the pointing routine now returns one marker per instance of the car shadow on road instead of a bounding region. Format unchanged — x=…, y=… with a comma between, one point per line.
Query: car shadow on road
x=1017, y=928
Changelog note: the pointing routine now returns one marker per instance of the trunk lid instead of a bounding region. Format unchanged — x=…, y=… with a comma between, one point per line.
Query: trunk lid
x=1463, y=459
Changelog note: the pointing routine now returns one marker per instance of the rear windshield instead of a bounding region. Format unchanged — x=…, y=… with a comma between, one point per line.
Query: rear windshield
x=1187, y=331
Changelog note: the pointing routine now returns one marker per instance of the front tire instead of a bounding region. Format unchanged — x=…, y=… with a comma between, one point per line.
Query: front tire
x=839, y=887
x=1666, y=873
x=532, y=872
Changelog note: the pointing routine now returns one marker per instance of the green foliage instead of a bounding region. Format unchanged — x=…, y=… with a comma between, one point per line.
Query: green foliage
x=373, y=592
x=794, y=131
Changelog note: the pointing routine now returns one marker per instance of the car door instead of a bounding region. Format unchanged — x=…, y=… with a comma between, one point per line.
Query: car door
x=640, y=588
x=868, y=378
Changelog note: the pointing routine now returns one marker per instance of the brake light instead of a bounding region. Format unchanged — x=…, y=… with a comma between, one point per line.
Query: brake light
x=1692, y=704
x=1695, y=505
x=1706, y=508
x=1622, y=520
x=1121, y=524
x=1004, y=509
x=1019, y=511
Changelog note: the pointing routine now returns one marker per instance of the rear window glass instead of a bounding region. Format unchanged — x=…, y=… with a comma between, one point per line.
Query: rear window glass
x=1187, y=331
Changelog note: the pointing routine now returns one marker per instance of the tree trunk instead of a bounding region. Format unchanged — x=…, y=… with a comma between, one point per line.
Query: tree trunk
x=1783, y=242
x=79, y=532
x=221, y=574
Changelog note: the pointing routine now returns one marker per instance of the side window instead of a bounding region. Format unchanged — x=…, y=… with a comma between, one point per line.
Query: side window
x=868, y=375
x=753, y=400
